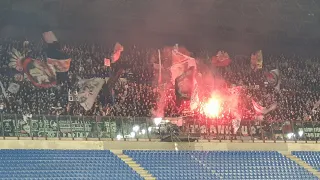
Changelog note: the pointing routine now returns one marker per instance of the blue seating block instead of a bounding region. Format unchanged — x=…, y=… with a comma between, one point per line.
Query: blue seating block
x=63, y=164
x=219, y=165
x=310, y=157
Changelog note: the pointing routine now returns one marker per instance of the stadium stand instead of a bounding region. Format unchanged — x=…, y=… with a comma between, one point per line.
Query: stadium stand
x=219, y=165
x=310, y=157
x=63, y=164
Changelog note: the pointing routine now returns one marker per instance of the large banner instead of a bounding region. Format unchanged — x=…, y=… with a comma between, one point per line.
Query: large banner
x=310, y=131
x=245, y=130
x=88, y=91
x=57, y=126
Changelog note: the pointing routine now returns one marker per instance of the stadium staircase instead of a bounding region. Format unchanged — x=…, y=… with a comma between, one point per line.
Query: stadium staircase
x=302, y=163
x=134, y=165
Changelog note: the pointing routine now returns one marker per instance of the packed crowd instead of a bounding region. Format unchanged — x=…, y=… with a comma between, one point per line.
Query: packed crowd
x=138, y=97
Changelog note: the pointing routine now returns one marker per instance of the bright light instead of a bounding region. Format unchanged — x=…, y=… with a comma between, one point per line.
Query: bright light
x=157, y=121
x=119, y=136
x=176, y=147
x=143, y=131
x=212, y=108
x=290, y=135
x=132, y=134
x=135, y=128
x=300, y=133
x=149, y=129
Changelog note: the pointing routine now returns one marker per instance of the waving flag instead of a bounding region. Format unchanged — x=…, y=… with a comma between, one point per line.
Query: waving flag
x=107, y=62
x=13, y=88
x=38, y=72
x=112, y=81
x=16, y=60
x=273, y=78
x=179, y=55
x=181, y=63
x=166, y=53
x=49, y=37
x=60, y=65
x=3, y=90
x=257, y=60
x=89, y=90
x=107, y=94
x=55, y=57
x=315, y=106
x=221, y=59
x=194, y=101
x=117, y=50
x=263, y=110
x=236, y=121
x=184, y=85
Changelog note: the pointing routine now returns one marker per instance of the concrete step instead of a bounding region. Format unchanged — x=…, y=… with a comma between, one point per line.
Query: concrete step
x=116, y=151
x=128, y=160
x=123, y=156
x=150, y=178
x=140, y=169
x=135, y=166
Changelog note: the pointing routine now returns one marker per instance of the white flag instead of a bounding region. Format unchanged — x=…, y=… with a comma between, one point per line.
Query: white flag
x=194, y=102
x=263, y=110
x=3, y=90
x=14, y=88
x=49, y=37
x=274, y=79
x=183, y=64
x=236, y=125
x=315, y=106
x=236, y=122
x=89, y=90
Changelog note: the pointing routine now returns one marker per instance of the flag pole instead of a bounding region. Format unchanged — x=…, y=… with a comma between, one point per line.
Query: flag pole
x=160, y=67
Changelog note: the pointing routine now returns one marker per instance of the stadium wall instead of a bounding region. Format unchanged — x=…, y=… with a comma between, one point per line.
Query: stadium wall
x=120, y=145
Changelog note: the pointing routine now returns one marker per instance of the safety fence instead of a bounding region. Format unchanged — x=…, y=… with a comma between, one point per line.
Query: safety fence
x=136, y=128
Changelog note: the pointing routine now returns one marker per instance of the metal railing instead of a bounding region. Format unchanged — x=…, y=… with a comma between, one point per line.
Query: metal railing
x=136, y=128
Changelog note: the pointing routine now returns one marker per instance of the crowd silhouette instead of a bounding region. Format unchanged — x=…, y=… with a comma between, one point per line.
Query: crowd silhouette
x=138, y=96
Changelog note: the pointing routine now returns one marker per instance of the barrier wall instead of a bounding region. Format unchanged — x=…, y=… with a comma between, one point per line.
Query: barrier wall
x=103, y=127
x=120, y=145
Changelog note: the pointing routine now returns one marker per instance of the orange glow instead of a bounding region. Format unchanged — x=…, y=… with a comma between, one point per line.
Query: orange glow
x=212, y=108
